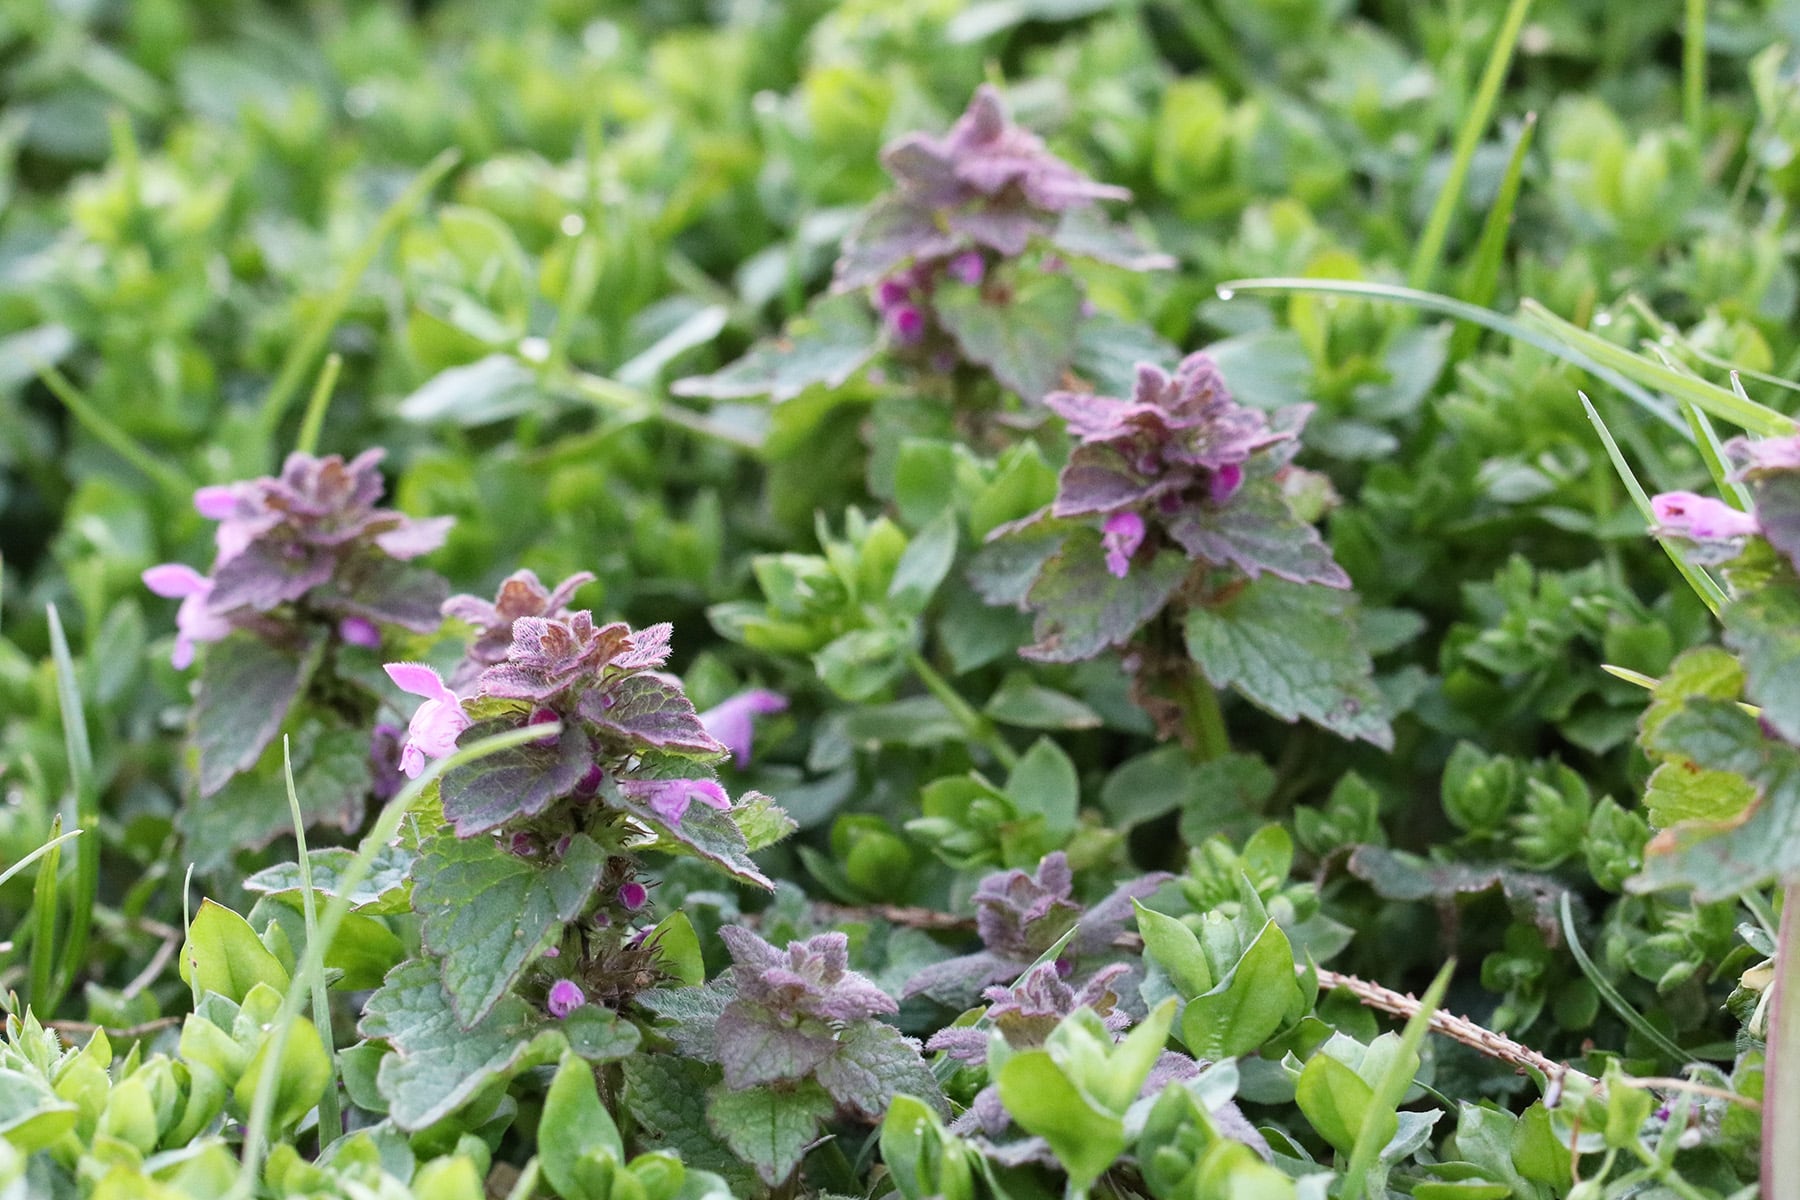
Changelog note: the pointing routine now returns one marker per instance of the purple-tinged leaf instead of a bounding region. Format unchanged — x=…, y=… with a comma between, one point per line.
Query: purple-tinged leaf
x=1003, y=571
x=1396, y=875
x=1256, y=530
x=246, y=690
x=487, y=911
x=1086, y=233
x=648, y=709
x=756, y=1049
x=702, y=832
x=957, y=981
x=264, y=575
x=891, y=234
x=389, y=592
x=1776, y=497
x=1293, y=650
x=1082, y=609
x=874, y=1062
x=521, y=781
x=1100, y=479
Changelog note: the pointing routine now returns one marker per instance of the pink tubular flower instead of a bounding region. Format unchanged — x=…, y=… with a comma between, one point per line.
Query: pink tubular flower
x=1225, y=482
x=360, y=631
x=732, y=722
x=565, y=997
x=194, y=622
x=669, y=798
x=437, y=723
x=1122, y=534
x=907, y=324
x=217, y=502
x=633, y=896
x=1700, y=518
x=969, y=267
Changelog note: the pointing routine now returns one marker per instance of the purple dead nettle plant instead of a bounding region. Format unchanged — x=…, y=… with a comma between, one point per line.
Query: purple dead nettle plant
x=306, y=563
x=1020, y=916
x=965, y=204
x=798, y=1024
x=1769, y=469
x=625, y=765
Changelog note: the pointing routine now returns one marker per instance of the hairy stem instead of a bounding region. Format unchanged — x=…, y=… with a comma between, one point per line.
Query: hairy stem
x=1781, y=1067
x=1203, y=725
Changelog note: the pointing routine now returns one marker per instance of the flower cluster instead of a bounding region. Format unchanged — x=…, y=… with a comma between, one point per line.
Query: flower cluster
x=309, y=543
x=963, y=203
x=1180, y=443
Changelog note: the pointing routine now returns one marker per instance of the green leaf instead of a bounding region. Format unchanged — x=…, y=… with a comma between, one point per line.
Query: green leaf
x=438, y=1064
x=667, y=1096
x=495, y=388
x=1337, y=1101
x=923, y=567
x=1764, y=628
x=331, y=780
x=1082, y=609
x=1043, y=782
x=303, y=1073
x=384, y=892
x=1018, y=701
x=1108, y=351
x=875, y=1062
x=678, y=949
x=762, y=821
x=1293, y=650
x=825, y=345
x=31, y=1115
x=1763, y=843
x=574, y=1123
x=599, y=1034
x=1680, y=791
x=1042, y=1101
x=1026, y=338
x=767, y=1127
x=518, y=782
x=222, y=954
x=1174, y=948
x=246, y=689
x=487, y=911
x=647, y=709
x=1249, y=1003
x=703, y=833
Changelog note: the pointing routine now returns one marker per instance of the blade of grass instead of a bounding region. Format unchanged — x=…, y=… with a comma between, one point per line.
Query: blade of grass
x=1707, y=588
x=1648, y=684
x=331, y=1118
x=305, y=348
x=187, y=928
x=323, y=390
x=1693, y=70
x=86, y=806
x=1390, y=1089
x=1712, y=453
x=1621, y=1007
x=1487, y=318
x=1482, y=279
x=312, y=961
x=1672, y=334
x=42, y=850
x=43, y=934
x=1475, y=123
x=109, y=434
x=1720, y=402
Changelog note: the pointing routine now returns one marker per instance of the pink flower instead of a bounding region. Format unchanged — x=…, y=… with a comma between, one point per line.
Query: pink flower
x=1700, y=518
x=437, y=723
x=892, y=291
x=1225, y=482
x=194, y=621
x=1122, y=534
x=565, y=998
x=732, y=721
x=217, y=502
x=968, y=267
x=669, y=798
x=907, y=324
x=360, y=631
x=633, y=896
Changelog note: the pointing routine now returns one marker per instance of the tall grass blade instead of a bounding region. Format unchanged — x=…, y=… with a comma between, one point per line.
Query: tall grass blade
x=43, y=999
x=1487, y=318
x=1712, y=453
x=1482, y=279
x=86, y=805
x=88, y=414
x=317, y=404
x=1621, y=1007
x=1718, y=401
x=1704, y=585
x=1390, y=1089
x=331, y=1118
x=1693, y=70
x=305, y=348
x=1475, y=123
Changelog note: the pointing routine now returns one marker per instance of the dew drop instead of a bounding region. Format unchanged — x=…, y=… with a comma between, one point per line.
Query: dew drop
x=1603, y=319
x=534, y=349
x=572, y=225
x=1226, y=293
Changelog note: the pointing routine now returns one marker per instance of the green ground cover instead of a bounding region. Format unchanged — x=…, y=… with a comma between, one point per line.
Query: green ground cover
x=956, y=598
